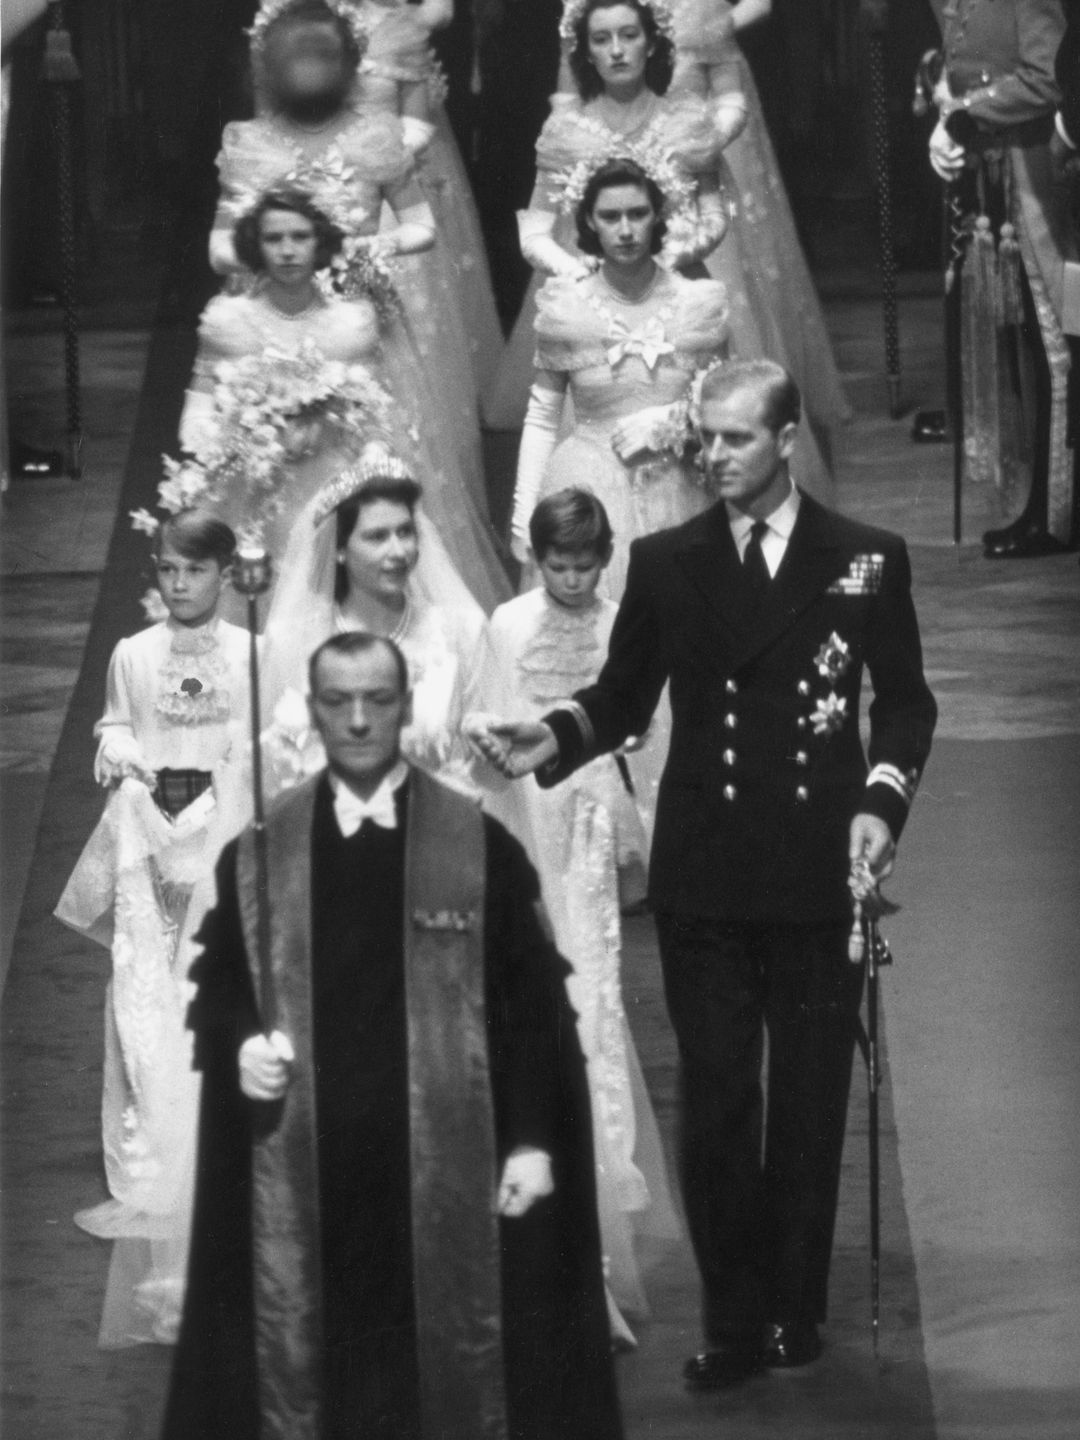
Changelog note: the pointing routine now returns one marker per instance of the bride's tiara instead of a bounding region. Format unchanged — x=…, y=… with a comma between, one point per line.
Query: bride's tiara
x=271, y=10
x=377, y=462
x=662, y=13
x=677, y=188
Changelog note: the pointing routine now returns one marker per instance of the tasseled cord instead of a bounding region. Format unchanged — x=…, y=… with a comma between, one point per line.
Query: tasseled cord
x=1012, y=312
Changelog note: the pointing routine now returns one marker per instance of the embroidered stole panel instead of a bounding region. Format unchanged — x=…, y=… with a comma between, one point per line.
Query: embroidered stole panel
x=452, y=1136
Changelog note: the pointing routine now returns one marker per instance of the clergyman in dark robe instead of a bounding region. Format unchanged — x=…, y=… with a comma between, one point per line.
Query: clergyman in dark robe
x=395, y=1229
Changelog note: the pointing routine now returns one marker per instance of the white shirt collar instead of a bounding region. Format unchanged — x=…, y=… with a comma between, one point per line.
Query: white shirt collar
x=781, y=522
x=352, y=811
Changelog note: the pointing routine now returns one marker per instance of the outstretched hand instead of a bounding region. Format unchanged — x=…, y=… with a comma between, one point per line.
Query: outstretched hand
x=514, y=747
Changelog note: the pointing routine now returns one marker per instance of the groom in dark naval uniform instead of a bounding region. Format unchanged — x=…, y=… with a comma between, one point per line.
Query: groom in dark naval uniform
x=395, y=1230
x=762, y=614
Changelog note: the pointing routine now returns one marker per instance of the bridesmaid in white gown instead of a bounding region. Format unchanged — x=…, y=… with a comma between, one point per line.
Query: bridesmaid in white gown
x=622, y=54
x=624, y=342
x=286, y=321
x=634, y=85
x=399, y=73
x=356, y=163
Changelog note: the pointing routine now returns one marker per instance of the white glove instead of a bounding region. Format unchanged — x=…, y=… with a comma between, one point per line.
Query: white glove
x=526, y=1178
x=199, y=421
x=264, y=1066
x=417, y=134
x=120, y=757
x=946, y=156
x=656, y=427
x=538, y=440
x=730, y=117
x=541, y=249
x=223, y=259
x=414, y=232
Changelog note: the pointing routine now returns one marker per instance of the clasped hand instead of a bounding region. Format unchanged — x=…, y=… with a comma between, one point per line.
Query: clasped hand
x=514, y=747
x=265, y=1066
x=526, y=1178
x=946, y=156
x=636, y=434
x=871, y=842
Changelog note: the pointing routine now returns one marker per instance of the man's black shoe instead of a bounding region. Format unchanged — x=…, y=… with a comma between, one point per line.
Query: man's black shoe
x=930, y=427
x=789, y=1346
x=723, y=1366
x=1025, y=540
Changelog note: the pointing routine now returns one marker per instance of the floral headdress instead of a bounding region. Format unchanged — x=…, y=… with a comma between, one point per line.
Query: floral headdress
x=271, y=10
x=377, y=462
x=357, y=269
x=662, y=13
x=677, y=188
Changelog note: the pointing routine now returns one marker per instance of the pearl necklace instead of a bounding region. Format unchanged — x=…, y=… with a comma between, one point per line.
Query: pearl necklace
x=626, y=119
x=314, y=303
x=343, y=624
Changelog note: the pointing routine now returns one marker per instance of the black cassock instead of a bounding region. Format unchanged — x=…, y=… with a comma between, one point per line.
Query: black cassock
x=556, y=1342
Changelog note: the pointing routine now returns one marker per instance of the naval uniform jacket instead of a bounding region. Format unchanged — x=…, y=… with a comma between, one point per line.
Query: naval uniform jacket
x=760, y=785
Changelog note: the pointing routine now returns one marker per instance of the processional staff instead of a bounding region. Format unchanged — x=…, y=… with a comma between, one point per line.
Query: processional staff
x=251, y=578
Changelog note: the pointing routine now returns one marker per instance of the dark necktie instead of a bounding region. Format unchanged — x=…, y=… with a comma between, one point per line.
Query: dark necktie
x=756, y=575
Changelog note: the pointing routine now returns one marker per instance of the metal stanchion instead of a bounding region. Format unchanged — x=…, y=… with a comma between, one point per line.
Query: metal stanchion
x=886, y=239
x=60, y=73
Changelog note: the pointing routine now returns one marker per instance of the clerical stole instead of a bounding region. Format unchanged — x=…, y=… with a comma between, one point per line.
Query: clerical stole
x=452, y=1137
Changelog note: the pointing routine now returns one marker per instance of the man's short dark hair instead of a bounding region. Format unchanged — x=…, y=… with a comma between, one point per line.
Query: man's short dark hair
x=358, y=642
x=196, y=535
x=617, y=172
x=781, y=403
x=570, y=519
x=247, y=231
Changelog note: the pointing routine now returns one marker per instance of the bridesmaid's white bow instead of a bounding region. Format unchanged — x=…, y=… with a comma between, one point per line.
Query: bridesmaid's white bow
x=647, y=341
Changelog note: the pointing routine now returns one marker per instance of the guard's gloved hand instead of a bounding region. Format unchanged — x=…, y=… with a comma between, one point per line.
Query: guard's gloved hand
x=265, y=1066
x=526, y=1178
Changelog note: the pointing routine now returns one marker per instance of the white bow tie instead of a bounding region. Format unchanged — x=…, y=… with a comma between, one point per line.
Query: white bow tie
x=351, y=811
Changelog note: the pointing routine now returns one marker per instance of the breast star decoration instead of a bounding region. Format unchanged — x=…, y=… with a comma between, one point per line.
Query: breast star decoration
x=833, y=659
x=829, y=715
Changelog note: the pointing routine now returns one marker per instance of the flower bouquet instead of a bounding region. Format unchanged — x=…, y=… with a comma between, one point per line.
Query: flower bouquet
x=271, y=410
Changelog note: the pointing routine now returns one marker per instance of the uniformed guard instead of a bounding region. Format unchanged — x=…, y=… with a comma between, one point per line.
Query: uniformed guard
x=762, y=614
x=996, y=98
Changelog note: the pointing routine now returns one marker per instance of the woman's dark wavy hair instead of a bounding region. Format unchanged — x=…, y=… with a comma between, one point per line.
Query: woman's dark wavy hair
x=246, y=239
x=617, y=172
x=314, y=12
x=659, y=67
x=384, y=487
